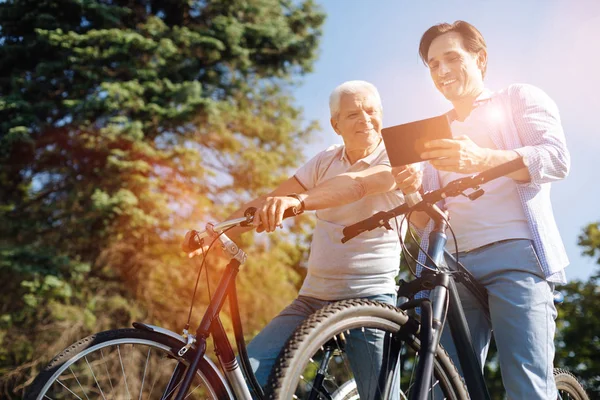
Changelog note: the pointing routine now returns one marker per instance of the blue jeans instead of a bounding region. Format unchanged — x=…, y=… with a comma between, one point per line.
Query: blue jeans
x=522, y=317
x=265, y=347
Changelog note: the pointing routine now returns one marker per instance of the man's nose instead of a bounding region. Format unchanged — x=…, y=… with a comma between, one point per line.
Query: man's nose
x=364, y=117
x=443, y=69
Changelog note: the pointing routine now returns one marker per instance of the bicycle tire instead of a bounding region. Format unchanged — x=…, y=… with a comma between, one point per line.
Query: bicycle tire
x=568, y=386
x=96, y=357
x=287, y=374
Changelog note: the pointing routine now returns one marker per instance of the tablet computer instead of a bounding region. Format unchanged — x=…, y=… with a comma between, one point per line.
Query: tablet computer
x=404, y=143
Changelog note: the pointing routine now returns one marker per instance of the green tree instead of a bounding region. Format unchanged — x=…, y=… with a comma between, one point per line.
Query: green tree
x=578, y=324
x=122, y=123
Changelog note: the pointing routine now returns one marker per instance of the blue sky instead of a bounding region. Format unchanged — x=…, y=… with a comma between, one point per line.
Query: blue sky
x=552, y=44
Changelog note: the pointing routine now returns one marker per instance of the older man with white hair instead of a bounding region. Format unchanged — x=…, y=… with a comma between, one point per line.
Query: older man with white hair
x=358, y=172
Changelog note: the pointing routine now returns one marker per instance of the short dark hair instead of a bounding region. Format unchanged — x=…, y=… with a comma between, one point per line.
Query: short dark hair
x=472, y=39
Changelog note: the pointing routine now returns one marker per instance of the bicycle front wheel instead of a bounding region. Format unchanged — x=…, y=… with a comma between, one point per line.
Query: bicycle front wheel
x=123, y=364
x=315, y=363
x=568, y=386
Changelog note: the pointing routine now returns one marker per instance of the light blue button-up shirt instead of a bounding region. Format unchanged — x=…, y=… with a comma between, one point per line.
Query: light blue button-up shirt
x=529, y=123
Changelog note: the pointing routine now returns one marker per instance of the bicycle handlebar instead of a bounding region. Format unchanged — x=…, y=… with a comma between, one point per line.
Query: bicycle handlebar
x=452, y=189
x=193, y=239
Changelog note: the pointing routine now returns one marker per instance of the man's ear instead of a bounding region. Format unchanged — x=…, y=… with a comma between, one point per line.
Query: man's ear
x=334, y=124
x=482, y=59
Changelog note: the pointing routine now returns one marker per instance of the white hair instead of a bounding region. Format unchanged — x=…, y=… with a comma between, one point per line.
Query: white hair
x=351, y=87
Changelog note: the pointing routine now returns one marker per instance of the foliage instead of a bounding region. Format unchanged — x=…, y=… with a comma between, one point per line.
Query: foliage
x=578, y=337
x=122, y=123
x=578, y=328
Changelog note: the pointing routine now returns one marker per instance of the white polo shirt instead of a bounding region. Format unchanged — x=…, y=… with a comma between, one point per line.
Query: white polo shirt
x=366, y=265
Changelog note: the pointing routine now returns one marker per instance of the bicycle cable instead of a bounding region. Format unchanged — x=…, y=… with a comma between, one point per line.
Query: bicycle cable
x=418, y=243
x=403, y=248
x=405, y=251
x=206, y=274
x=204, y=255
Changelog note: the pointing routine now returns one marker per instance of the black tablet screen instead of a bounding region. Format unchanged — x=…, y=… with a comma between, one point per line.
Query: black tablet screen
x=404, y=143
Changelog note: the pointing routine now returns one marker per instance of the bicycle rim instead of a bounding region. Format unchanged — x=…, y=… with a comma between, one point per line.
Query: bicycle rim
x=122, y=364
x=325, y=336
x=347, y=391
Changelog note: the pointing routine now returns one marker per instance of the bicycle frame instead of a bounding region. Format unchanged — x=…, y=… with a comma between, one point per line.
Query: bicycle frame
x=211, y=325
x=443, y=305
x=444, y=296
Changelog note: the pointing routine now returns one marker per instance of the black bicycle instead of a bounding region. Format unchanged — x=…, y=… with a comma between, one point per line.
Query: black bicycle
x=150, y=362
x=412, y=356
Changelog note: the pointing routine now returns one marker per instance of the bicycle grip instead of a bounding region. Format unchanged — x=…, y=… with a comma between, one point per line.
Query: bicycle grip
x=191, y=241
x=290, y=212
x=368, y=224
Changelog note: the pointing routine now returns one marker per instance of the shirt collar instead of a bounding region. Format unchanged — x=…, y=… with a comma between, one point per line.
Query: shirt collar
x=367, y=159
x=483, y=98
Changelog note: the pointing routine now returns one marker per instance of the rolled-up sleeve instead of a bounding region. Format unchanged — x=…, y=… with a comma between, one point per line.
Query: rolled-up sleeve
x=537, y=121
x=307, y=175
x=311, y=174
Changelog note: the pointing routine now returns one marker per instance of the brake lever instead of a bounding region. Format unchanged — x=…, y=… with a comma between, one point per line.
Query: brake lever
x=249, y=214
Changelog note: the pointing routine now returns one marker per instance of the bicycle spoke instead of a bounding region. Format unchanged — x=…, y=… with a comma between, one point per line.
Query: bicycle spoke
x=155, y=380
x=312, y=387
x=131, y=369
x=389, y=348
x=60, y=383
x=95, y=380
x=346, y=366
x=112, y=389
x=341, y=354
x=123, y=369
x=176, y=386
x=193, y=390
x=345, y=359
x=362, y=330
x=412, y=373
x=144, y=377
x=315, y=366
x=79, y=383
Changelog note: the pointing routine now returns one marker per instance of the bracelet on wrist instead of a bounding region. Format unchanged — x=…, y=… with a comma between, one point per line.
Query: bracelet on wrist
x=300, y=209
